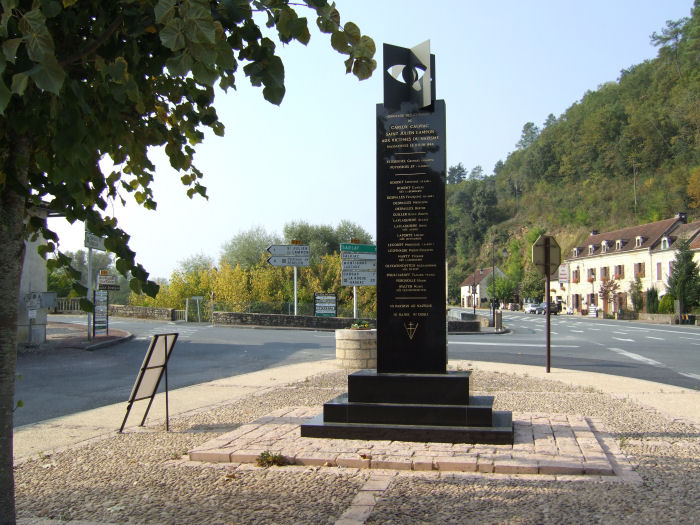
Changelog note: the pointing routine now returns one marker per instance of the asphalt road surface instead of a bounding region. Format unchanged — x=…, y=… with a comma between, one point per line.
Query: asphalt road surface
x=66, y=381
x=663, y=353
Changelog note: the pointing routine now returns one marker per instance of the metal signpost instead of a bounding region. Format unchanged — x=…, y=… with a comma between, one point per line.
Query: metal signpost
x=92, y=242
x=295, y=254
x=325, y=304
x=359, y=267
x=546, y=256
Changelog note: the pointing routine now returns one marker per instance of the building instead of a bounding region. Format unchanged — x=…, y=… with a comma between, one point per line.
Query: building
x=476, y=288
x=645, y=251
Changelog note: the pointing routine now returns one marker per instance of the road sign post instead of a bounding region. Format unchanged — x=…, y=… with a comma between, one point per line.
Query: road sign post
x=295, y=254
x=359, y=267
x=546, y=256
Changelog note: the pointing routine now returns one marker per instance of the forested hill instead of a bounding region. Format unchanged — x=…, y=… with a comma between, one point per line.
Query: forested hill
x=626, y=153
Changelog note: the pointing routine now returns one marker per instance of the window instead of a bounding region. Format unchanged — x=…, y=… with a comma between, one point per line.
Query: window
x=618, y=245
x=664, y=243
x=591, y=275
x=604, y=273
x=659, y=276
x=591, y=249
x=575, y=276
x=638, y=241
x=604, y=246
x=639, y=270
x=576, y=252
x=620, y=271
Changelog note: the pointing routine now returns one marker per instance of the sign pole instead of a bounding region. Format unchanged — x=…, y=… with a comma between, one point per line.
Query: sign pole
x=295, y=291
x=89, y=292
x=354, y=302
x=548, y=272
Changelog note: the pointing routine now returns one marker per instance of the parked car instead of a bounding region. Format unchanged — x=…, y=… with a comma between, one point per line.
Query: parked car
x=530, y=308
x=542, y=309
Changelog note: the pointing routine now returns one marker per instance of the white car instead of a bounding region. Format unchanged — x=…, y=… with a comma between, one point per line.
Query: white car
x=530, y=308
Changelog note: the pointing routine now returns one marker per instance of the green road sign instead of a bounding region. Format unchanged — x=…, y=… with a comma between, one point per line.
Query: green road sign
x=359, y=248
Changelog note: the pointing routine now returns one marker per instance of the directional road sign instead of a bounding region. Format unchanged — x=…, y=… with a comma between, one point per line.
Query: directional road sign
x=289, y=261
x=360, y=248
x=543, y=244
x=94, y=242
x=290, y=250
x=359, y=278
x=359, y=264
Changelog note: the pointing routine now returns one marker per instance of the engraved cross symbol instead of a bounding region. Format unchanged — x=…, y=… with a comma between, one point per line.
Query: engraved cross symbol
x=411, y=329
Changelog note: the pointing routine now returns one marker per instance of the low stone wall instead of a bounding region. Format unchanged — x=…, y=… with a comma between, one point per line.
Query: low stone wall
x=657, y=318
x=142, y=312
x=456, y=327
x=289, y=321
x=356, y=349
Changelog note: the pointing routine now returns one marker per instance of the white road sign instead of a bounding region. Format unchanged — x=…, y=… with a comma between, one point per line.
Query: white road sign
x=359, y=278
x=359, y=264
x=290, y=250
x=289, y=261
x=106, y=279
x=94, y=242
x=355, y=255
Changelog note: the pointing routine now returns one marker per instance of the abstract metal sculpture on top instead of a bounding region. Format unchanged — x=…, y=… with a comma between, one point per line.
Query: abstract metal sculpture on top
x=409, y=77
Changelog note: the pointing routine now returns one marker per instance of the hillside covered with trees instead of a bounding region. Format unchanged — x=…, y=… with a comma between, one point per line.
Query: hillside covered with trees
x=626, y=153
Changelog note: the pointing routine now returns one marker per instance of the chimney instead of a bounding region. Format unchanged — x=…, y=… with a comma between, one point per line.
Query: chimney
x=682, y=216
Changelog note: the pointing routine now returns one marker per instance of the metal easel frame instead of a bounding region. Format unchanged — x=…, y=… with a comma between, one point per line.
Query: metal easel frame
x=155, y=365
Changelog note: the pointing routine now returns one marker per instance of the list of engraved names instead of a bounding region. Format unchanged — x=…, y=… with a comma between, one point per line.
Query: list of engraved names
x=412, y=193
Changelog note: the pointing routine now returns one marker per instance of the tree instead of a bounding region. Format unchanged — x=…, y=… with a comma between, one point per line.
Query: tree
x=456, y=174
x=636, y=294
x=607, y=291
x=684, y=282
x=532, y=286
x=246, y=247
x=652, y=300
x=528, y=136
x=113, y=79
x=669, y=38
x=477, y=173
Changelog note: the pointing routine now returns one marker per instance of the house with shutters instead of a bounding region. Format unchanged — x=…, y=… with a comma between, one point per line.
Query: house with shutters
x=476, y=288
x=646, y=251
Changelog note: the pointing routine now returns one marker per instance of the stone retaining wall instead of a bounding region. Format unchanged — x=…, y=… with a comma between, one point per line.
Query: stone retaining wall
x=142, y=312
x=290, y=321
x=356, y=349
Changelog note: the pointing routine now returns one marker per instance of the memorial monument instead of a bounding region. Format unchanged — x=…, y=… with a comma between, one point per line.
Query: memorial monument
x=411, y=396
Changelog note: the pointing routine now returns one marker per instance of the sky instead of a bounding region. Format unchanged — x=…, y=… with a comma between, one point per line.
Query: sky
x=499, y=65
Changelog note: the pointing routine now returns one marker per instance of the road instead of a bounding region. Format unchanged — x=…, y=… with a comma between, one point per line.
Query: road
x=66, y=381
x=662, y=353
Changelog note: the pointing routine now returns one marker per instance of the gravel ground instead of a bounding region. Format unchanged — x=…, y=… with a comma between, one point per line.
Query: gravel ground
x=137, y=477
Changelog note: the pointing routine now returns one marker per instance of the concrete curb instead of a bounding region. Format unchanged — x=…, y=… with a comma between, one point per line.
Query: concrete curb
x=105, y=344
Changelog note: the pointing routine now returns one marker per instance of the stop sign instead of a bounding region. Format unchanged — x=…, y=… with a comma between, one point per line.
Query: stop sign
x=546, y=244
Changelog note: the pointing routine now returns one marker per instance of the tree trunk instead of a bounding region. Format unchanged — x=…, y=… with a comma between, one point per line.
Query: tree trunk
x=12, y=246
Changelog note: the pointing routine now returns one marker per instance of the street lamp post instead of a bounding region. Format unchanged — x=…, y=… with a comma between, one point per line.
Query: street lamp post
x=493, y=285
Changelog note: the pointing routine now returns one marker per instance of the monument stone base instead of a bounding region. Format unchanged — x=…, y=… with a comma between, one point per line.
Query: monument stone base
x=411, y=407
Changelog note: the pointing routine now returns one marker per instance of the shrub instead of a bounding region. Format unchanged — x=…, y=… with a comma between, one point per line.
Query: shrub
x=666, y=304
x=652, y=301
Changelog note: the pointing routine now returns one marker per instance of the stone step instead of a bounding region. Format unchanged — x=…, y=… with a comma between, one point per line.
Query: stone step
x=477, y=413
x=500, y=433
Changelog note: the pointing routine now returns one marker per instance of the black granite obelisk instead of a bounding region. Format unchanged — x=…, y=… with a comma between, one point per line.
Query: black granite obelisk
x=411, y=396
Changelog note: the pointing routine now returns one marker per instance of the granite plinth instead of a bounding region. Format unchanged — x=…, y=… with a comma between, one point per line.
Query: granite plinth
x=411, y=407
x=371, y=386
x=501, y=433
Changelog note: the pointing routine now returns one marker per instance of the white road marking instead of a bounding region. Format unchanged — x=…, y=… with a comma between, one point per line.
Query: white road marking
x=510, y=344
x=637, y=357
x=691, y=376
x=623, y=339
x=657, y=338
x=578, y=331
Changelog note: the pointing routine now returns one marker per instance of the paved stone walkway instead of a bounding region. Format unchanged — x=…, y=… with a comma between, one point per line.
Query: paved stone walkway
x=545, y=445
